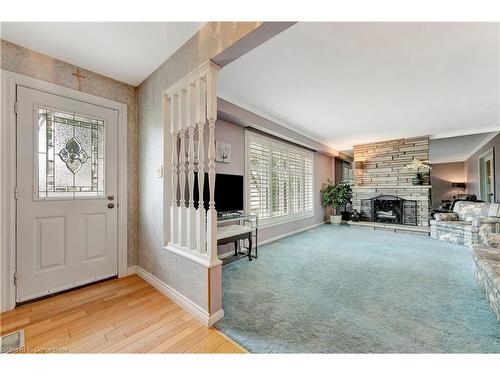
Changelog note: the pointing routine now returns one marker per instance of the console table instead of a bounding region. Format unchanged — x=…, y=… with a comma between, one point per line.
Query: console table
x=233, y=228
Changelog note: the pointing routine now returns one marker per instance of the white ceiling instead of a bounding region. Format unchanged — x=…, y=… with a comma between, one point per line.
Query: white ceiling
x=126, y=51
x=453, y=149
x=349, y=83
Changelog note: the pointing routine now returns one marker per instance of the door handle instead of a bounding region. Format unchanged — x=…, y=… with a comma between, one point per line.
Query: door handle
x=111, y=205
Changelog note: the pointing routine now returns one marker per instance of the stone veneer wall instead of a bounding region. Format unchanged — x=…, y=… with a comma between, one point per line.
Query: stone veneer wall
x=383, y=174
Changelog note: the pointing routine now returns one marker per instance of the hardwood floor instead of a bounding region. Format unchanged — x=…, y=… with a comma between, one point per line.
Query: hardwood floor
x=116, y=316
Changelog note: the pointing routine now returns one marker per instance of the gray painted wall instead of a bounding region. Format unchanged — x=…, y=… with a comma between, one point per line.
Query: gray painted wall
x=235, y=135
x=442, y=176
x=471, y=168
x=324, y=168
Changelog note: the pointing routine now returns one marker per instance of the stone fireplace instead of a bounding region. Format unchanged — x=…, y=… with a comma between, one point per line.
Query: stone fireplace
x=384, y=191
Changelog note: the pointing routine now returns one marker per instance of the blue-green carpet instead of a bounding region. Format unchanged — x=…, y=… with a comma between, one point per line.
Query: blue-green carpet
x=347, y=290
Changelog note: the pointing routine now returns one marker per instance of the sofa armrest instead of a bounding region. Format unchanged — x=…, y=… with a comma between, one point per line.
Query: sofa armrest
x=446, y=216
x=493, y=240
x=490, y=220
x=488, y=227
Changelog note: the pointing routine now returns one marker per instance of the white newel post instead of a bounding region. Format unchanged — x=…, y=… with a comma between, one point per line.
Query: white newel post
x=191, y=124
x=174, y=228
x=182, y=169
x=212, y=213
x=201, y=118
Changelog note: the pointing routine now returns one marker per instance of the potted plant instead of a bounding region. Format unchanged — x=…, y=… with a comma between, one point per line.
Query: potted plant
x=336, y=196
x=419, y=167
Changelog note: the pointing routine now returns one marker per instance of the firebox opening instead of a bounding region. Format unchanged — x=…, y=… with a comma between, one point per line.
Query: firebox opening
x=389, y=209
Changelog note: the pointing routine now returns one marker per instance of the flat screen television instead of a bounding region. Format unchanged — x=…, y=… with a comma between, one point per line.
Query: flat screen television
x=228, y=192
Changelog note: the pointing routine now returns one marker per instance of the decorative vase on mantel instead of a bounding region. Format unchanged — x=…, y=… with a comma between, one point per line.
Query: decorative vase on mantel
x=426, y=178
x=418, y=166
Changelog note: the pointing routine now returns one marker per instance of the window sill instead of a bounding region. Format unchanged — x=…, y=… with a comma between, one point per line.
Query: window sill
x=285, y=220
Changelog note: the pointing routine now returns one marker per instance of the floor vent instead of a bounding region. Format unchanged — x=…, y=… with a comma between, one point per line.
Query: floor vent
x=12, y=341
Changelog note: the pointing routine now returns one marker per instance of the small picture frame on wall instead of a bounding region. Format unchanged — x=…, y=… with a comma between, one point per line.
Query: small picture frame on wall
x=222, y=152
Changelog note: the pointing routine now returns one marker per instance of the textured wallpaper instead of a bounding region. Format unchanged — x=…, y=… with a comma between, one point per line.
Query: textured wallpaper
x=27, y=62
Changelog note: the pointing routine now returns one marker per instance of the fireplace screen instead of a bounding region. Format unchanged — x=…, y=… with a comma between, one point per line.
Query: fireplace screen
x=389, y=209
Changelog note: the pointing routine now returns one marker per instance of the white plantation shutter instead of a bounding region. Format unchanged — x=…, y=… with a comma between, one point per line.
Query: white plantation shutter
x=279, y=180
x=308, y=184
x=296, y=168
x=259, y=179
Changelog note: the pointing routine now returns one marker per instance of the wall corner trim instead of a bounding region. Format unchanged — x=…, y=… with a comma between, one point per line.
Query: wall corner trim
x=185, y=303
x=131, y=270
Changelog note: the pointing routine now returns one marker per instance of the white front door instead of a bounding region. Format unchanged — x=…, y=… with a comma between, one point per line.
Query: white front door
x=66, y=193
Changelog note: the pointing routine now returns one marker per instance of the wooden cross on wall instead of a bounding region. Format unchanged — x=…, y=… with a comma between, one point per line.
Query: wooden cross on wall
x=78, y=79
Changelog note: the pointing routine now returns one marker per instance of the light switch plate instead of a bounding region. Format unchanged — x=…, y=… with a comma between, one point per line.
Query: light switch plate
x=159, y=171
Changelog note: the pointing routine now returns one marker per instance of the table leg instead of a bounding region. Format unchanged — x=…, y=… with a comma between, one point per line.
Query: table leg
x=256, y=243
x=250, y=246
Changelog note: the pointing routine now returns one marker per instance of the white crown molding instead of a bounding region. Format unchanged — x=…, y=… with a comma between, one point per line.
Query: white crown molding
x=446, y=161
x=478, y=146
x=483, y=142
x=285, y=124
x=468, y=131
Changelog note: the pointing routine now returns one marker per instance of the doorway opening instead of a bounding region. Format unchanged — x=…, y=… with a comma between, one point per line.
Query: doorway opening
x=487, y=176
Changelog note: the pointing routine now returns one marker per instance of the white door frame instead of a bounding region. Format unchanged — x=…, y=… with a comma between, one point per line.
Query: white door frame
x=493, y=185
x=9, y=81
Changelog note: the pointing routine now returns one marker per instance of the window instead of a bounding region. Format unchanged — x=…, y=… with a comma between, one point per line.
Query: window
x=347, y=172
x=70, y=157
x=279, y=180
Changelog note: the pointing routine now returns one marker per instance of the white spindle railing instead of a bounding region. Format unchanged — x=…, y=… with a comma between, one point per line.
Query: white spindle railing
x=212, y=117
x=174, y=208
x=191, y=124
x=182, y=169
x=201, y=118
x=192, y=103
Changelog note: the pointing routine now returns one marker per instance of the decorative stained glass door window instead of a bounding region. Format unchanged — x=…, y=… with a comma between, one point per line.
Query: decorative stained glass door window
x=70, y=155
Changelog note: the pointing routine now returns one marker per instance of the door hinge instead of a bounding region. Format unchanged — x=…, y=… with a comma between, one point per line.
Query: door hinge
x=15, y=278
x=16, y=107
x=16, y=193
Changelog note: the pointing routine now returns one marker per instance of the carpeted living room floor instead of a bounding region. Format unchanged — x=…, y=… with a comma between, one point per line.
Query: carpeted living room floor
x=347, y=290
